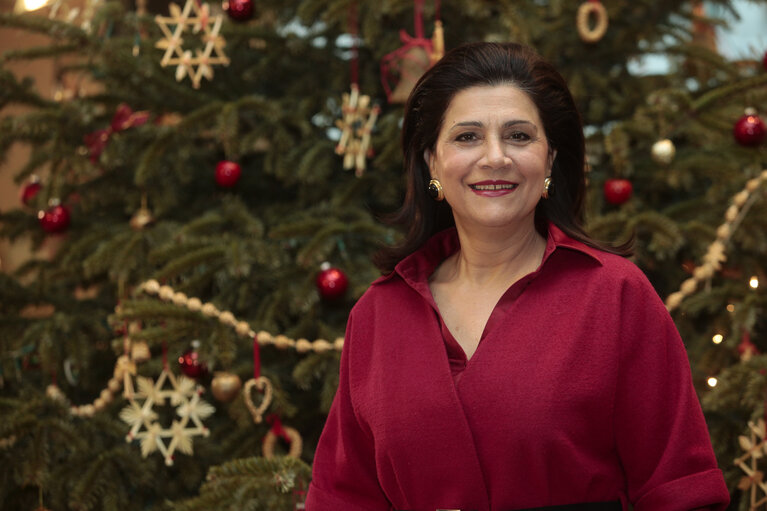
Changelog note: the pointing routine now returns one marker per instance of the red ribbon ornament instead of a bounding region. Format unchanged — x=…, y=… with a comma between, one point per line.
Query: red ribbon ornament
x=277, y=428
x=392, y=63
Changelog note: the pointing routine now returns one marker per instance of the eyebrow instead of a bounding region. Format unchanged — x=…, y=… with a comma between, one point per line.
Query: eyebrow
x=477, y=124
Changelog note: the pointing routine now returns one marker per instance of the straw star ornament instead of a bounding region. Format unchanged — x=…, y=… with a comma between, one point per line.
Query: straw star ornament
x=356, y=125
x=184, y=395
x=755, y=446
x=198, y=64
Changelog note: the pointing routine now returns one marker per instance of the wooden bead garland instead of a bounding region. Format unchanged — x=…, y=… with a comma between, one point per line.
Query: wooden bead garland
x=715, y=256
x=582, y=21
x=243, y=329
x=125, y=369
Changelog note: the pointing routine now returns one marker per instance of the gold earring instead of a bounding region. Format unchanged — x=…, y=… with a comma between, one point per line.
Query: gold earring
x=546, y=185
x=435, y=190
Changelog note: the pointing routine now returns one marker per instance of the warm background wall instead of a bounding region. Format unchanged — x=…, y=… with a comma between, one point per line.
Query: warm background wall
x=42, y=71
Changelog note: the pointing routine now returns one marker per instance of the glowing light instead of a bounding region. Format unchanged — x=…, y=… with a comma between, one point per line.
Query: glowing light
x=718, y=338
x=754, y=282
x=712, y=382
x=33, y=5
x=29, y=5
x=730, y=307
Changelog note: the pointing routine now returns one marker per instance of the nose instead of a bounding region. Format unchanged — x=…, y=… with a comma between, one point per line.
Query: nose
x=495, y=154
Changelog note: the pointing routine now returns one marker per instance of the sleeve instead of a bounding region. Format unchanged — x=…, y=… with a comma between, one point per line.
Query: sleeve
x=661, y=434
x=344, y=471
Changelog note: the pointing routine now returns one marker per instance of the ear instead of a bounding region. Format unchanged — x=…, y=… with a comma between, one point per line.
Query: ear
x=427, y=157
x=550, y=161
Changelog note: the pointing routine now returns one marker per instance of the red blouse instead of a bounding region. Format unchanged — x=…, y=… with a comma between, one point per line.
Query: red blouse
x=579, y=391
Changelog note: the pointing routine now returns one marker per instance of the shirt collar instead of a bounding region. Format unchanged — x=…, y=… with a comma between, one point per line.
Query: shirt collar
x=418, y=266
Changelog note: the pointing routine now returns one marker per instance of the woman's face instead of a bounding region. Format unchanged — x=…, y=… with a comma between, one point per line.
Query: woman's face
x=491, y=157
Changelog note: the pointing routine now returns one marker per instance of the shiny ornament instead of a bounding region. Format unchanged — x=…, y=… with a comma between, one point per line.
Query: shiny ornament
x=238, y=10
x=618, y=191
x=228, y=173
x=663, y=151
x=331, y=282
x=225, y=386
x=30, y=190
x=141, y=219
x=749, y=130
x=191, y=365
x=54, y=219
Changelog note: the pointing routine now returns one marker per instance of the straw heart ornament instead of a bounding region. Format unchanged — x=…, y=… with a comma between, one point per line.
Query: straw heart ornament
x=263, y=385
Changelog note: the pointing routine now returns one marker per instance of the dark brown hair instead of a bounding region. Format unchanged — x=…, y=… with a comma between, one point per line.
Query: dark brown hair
x=487, y=64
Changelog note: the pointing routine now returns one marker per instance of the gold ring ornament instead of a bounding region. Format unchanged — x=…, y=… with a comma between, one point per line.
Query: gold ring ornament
x=270, y=440
x=583, y=21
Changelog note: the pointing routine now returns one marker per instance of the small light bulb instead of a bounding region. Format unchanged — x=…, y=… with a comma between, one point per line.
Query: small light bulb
x=718, y=338
x=754, y=282
x=712, y=382
x=33, y=5
x=730, y=307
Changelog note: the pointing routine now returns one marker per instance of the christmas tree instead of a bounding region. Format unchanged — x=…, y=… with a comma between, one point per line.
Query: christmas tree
x=209, y=187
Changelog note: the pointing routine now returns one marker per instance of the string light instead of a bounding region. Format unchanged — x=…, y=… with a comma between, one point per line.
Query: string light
x=754, y=282
x=712, y=382
x=730, y=307
x=717, y=339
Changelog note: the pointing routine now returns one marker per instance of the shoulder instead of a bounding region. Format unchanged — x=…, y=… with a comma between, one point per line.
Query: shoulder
x=383, y=293
x=610, y=279
x=620, y=269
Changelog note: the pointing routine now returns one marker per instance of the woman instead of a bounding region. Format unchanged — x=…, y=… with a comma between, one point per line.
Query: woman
x=507, y=361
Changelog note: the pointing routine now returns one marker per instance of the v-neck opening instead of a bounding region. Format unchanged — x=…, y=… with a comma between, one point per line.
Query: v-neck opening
x=416, y=268
x=458, y=361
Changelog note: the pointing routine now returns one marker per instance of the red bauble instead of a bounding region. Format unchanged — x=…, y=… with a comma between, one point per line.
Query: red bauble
x=54, y=219
x=749, y=130
x=227, y=173
x=29, y=191
x=238, y=10
x=331, y=282
x=191, y=365
x=618, y=191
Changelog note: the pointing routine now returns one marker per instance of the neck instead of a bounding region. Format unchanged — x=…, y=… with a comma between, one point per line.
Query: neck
x=496, y=255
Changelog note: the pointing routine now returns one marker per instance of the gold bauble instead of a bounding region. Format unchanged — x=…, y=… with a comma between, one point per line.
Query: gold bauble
x=663, y=151
x=55, y=393
x=141, y=219
x=225, y=386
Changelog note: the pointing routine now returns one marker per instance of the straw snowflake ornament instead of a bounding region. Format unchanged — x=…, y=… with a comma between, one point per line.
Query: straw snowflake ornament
x=755, y=447
x=184, y=395
x=197, y=65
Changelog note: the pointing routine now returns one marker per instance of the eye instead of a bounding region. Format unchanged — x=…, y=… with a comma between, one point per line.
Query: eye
x=519, y=136
x=467, y=137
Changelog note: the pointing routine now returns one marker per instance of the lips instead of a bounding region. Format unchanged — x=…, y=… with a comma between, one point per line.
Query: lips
x=492, y=186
